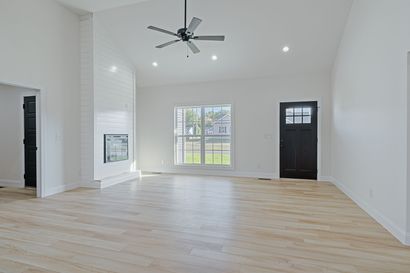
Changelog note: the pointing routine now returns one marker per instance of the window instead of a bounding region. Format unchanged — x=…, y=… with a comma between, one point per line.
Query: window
x=222, y=130
x=299, y=115
x=203, y=135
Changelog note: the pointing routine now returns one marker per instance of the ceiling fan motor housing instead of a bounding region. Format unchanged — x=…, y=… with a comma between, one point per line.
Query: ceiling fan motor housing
x=185, y=36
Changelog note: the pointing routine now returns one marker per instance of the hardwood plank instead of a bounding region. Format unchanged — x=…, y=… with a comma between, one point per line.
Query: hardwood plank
x=185, y=224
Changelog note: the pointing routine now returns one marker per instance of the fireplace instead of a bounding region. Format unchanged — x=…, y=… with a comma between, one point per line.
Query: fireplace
x=115, y=148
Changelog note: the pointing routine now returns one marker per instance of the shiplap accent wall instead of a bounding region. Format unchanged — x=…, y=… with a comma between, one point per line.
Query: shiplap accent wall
x=113, y=101
x=87, y=101
x=107, y=101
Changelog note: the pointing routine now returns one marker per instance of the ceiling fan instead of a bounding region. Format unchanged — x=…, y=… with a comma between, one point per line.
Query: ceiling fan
x=186, y=34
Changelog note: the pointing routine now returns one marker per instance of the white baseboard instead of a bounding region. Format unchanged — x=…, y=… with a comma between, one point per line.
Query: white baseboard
x=11, y=183
x=94, y=184
x=60, y=189
x=397, y=232
x=325, y=178
x=216, y=172
x=226, y=173
x=111, y=181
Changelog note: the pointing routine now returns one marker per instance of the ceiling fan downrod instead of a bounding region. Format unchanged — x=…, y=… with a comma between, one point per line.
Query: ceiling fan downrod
x=185, y=14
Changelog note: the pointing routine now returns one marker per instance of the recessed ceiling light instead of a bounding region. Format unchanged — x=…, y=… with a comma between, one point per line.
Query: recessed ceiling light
x=113, y=69
x=214, y=57
x=285, y=49
x=154, y=64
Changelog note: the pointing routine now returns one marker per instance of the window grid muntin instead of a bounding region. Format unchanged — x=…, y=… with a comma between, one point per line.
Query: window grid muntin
x=298, y=115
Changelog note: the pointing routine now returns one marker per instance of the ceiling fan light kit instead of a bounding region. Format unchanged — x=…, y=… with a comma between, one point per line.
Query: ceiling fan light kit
x=187, y=34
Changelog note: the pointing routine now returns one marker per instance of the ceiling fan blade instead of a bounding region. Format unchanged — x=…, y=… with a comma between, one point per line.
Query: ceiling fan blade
x=168, y=44
x=193, y=47
x=209, y=38
x=194, y=25
x=162, y=30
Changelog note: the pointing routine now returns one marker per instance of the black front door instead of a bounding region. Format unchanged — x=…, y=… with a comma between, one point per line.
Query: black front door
x=298, y=140
x=30, y=142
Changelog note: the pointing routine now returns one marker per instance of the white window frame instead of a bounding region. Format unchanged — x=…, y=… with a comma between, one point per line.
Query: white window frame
x=203, y=135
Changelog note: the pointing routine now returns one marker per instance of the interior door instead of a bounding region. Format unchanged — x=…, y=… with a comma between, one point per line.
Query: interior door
x=30, y=141
x=298, y=140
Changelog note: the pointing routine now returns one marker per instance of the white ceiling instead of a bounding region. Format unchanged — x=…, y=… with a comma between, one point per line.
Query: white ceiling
x=96, y=5
x=256, y=32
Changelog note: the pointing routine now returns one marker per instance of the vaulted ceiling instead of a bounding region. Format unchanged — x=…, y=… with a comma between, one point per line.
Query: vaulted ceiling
x=97, y=5
x=256, y=31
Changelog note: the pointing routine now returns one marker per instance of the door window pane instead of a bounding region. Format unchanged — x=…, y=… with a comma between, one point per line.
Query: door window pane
x=298, y=120
x=307, y=111
x=289, y=112
x=289, y=120
x=307, y=119
x=298, y=111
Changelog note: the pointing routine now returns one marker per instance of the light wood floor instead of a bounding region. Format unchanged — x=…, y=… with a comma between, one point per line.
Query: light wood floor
x=11, y=195
x=185, y=224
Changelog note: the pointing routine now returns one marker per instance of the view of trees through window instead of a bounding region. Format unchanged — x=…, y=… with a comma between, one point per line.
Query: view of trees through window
x=203, y=135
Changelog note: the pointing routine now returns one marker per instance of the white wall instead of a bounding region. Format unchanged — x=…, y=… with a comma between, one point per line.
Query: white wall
x=40, y=48
x=256, y=129
x=369, y=102
x=12, y=135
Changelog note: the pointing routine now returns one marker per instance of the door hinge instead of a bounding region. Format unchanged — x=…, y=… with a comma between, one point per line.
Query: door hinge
x=24, y=141
x=24, y=106
x=25, y=176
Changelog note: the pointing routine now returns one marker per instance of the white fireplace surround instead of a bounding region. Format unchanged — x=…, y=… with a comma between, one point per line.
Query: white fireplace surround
x=107, y=106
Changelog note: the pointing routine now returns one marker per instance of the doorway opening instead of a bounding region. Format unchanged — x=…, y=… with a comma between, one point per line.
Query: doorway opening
x=20, y=142
x=299, y=140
